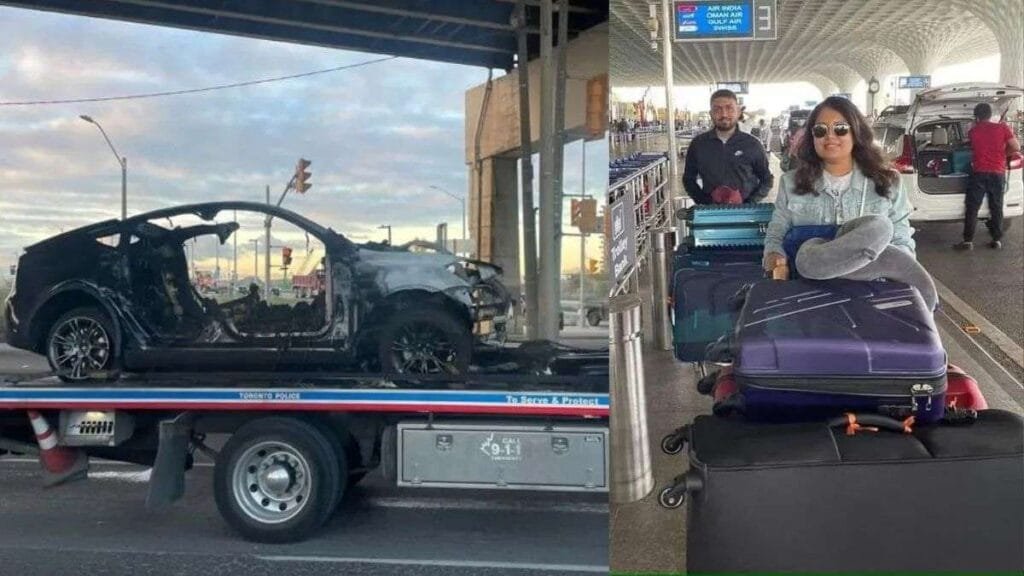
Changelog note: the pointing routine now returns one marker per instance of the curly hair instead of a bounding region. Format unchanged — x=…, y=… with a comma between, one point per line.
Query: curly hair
x=866, y=155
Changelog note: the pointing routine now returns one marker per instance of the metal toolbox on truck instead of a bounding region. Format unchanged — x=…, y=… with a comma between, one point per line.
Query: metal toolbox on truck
x=511, y=455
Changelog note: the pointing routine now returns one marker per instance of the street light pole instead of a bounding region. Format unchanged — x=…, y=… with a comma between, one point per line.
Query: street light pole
x=121, y=160
x=461, y=201
x=255, y=257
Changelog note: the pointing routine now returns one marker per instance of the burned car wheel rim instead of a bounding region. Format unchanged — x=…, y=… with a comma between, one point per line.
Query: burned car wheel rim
x=79, y=346
x=423, y=349
x=272, y=482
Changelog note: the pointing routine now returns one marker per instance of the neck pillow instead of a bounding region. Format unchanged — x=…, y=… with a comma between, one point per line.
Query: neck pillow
x=861, y=250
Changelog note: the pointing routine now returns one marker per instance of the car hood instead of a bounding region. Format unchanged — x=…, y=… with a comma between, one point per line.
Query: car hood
x=400, y=258
x=440, y=260
x=958, y=100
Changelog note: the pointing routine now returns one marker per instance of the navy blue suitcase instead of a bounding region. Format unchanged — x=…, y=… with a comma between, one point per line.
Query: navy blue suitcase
x=704, y=282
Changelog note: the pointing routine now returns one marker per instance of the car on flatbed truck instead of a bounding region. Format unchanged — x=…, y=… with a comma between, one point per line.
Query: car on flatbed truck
x=116, y=296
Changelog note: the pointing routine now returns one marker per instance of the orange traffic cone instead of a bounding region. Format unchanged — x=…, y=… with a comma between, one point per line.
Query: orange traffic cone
x=59, y=464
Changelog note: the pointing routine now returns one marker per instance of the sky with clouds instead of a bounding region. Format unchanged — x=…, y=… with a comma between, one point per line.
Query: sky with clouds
x=378, y=136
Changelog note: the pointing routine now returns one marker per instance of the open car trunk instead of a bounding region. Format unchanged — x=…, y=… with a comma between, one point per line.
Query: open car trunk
x=942, y=162
x=943, y=165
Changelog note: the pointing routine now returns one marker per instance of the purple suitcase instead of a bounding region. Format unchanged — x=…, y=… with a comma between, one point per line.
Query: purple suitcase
x=809, y=348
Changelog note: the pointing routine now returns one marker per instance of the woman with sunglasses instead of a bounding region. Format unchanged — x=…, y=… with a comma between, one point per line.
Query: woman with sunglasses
x=841, y=176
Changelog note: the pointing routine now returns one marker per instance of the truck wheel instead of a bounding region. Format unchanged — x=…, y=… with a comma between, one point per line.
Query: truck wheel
x=80, y=346
x=277, y=479
x=425, y=341
x=594, y=317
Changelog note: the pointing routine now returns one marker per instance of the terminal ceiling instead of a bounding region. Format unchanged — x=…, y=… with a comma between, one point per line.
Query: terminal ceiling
x=833, y=44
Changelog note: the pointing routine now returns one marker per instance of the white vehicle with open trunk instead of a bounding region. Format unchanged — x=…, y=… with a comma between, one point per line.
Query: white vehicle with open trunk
x=930, y=148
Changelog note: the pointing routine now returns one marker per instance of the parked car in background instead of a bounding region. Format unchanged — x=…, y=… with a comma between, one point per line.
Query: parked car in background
x=929, y=146
x=125, y=302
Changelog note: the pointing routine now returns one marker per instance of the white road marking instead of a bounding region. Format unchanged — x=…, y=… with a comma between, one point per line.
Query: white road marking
x=140, y=477
x=564, y=568
x=454, y=504
x=997, y=336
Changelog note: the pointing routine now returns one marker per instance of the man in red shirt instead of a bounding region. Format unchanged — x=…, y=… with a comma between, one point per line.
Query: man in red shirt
x=991, y=143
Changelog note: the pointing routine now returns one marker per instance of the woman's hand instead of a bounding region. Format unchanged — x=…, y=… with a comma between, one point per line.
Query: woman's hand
x=773, y=260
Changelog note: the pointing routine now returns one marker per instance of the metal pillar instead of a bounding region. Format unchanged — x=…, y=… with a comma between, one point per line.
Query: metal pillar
x=526, y=178
x=662, y=244
x=554, y=251
x=632, y=476
x=255, y=257
x=124, y=188
x=582, y=320
x=548, y=278
x=266, y=262
x=672, y=190
x=234, y=261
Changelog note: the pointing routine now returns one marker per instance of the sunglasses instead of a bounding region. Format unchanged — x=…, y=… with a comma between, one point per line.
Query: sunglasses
x=840, y=129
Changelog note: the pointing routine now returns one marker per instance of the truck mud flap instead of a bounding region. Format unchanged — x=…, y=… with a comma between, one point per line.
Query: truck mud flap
x=167, y=481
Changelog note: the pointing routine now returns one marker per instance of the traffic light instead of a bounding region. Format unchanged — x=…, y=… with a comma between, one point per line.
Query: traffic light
x=592, y=265
x=286, y=256
x=584, y=215
x=301, y=176
x=576, y=213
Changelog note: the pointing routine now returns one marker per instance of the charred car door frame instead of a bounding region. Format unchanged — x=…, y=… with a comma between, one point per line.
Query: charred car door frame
x=218, y=342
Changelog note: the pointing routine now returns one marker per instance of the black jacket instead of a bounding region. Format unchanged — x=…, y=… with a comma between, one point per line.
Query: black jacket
x=740, y=163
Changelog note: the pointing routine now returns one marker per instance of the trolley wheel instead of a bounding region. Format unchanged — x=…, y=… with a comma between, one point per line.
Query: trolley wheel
x=668, y=499
x=672, y=444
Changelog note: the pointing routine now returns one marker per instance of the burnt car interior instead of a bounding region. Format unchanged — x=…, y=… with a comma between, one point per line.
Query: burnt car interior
x=171, y=304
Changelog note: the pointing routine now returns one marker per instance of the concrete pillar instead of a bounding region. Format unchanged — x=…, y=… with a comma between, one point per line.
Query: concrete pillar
x=1011, y=59
x=496, y=233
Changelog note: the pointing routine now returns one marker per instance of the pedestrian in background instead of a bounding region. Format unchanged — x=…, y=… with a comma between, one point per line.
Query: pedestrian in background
x=764, y=132
x=991, y=143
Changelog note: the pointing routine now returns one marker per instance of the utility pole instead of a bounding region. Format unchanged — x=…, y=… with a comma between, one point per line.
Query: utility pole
x=388, y=227
x=266, y=262
x=234, y=266
x=256, y=258
x=583, y=239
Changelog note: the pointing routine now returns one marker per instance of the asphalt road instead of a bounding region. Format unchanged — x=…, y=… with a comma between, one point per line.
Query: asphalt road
x=100, y=525
x=990, y=281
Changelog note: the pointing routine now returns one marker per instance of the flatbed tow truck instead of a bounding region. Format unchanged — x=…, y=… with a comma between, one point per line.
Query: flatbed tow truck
x=297, y=440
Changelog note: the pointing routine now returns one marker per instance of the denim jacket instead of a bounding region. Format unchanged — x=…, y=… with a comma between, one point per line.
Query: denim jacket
x=860, y=200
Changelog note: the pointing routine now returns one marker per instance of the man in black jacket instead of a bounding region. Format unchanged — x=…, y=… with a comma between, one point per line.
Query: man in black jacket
x=726, y=157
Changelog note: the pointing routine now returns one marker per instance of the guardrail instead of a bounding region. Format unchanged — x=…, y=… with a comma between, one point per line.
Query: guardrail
x=645, y=191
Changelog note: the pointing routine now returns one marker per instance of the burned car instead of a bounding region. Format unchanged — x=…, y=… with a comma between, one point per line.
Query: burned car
x=118, y=296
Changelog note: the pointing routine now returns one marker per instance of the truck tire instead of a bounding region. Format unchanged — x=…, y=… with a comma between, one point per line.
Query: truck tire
x=424, y=341
x=278, y=479
x=594, y=317
x=81, y=346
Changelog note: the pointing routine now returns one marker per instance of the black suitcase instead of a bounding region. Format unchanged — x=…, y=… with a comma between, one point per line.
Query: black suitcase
x=704, y=282
x=809, y=497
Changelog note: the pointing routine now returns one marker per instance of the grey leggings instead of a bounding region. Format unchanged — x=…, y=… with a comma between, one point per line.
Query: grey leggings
x=861, y=250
